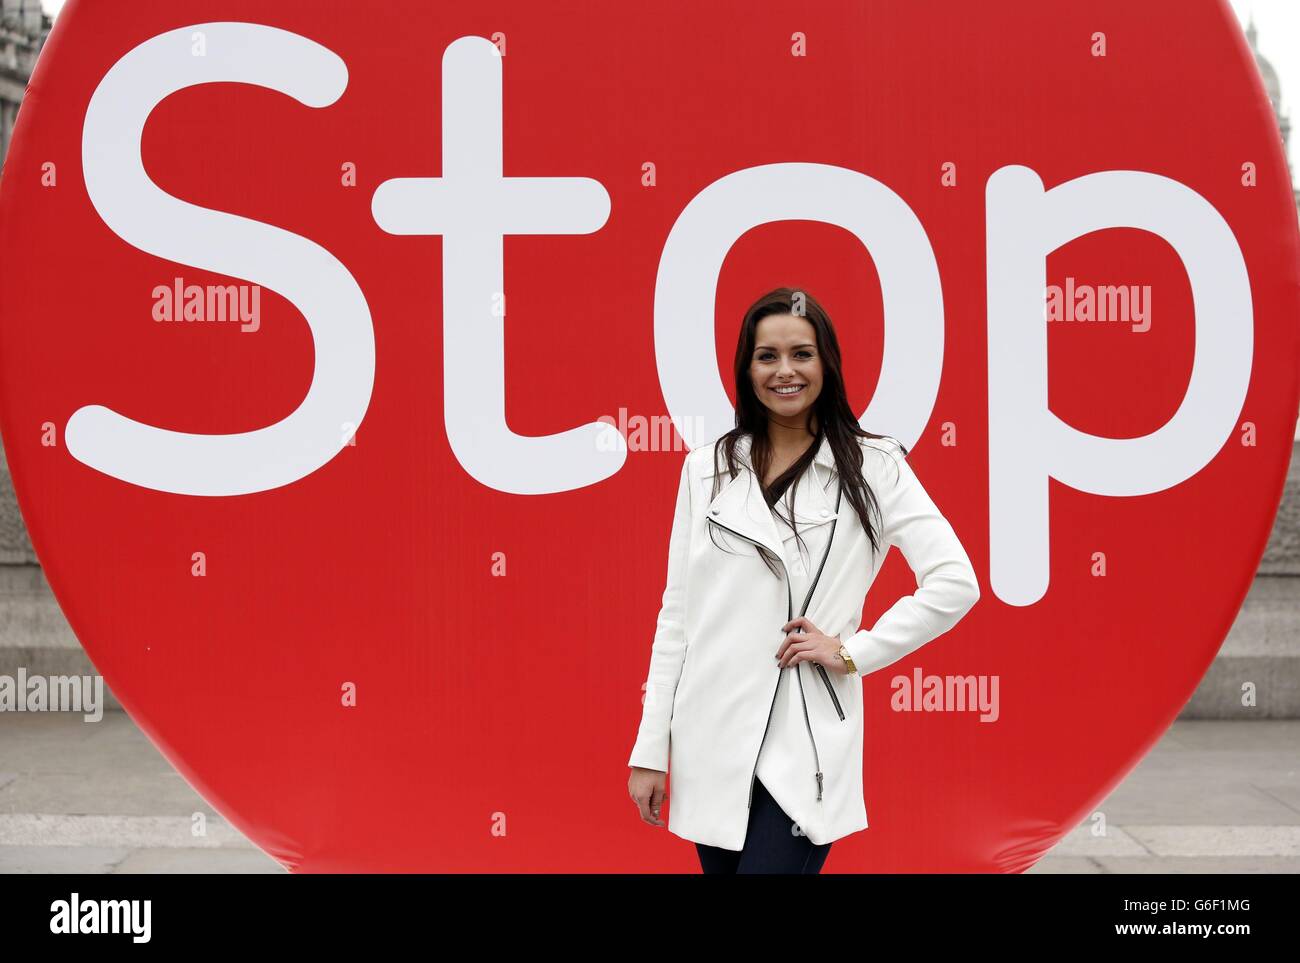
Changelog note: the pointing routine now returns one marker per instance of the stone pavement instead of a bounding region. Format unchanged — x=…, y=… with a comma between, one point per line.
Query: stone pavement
x=1213, y=796
x=97, y=797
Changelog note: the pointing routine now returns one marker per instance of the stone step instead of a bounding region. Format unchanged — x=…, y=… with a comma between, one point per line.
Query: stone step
x=34, y=633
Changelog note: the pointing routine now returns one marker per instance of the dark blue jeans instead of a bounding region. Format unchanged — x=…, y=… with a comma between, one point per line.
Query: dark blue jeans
x=770, y=846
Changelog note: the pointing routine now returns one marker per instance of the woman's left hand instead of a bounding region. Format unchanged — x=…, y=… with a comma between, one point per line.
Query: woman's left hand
x=804, y=642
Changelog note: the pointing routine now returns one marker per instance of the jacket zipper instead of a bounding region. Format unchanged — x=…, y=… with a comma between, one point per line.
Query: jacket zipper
x=821, y=669
x=789, y=618
x=834, y=698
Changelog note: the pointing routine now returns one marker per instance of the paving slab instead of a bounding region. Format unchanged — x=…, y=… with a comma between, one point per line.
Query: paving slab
x=1213, y=796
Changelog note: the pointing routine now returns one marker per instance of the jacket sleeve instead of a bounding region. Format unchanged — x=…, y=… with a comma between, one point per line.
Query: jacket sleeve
x=946, y=584
x=669, y=648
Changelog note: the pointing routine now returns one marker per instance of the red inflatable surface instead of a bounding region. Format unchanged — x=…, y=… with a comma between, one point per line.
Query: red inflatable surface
x=375, y=561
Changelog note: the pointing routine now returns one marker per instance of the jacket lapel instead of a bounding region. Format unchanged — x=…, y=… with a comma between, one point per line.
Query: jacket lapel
x=740, y=506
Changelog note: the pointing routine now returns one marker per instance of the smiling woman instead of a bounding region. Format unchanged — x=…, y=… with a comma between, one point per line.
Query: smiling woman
x=767, y=772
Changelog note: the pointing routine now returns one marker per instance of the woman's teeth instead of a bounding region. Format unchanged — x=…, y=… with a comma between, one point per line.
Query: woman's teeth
x=792, y=390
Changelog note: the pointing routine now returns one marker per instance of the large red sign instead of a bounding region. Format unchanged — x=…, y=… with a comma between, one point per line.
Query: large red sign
x=333, y=349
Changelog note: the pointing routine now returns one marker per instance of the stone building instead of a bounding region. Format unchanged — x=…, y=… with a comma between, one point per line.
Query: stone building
x=23, y=29
x=1273, y=85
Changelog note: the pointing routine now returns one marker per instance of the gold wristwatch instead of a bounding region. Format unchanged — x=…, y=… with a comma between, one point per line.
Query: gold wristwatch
x=848, y=659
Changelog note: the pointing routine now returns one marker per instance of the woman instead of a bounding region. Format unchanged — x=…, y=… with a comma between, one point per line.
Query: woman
x=772, y=551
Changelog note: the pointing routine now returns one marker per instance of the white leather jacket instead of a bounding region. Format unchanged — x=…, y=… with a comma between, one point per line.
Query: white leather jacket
x=713, y=676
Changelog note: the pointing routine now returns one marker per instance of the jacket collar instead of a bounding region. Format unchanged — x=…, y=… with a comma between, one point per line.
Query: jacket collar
x=740, y=506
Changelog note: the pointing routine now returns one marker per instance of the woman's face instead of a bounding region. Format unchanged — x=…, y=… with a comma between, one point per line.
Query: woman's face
x=786, y=356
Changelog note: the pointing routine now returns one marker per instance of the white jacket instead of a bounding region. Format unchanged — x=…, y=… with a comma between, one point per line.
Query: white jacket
x=713, y=673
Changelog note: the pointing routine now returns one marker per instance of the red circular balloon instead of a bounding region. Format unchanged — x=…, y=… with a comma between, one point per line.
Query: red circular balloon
x=359, y=549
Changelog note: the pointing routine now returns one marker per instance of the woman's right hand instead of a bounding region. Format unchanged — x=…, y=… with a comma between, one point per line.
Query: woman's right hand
x=648, y=789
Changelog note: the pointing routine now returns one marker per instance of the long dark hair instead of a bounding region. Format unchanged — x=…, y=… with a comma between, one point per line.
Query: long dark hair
x=835, y=419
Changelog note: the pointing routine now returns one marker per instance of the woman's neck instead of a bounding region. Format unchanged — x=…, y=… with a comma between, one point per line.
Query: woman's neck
x=790, y=439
